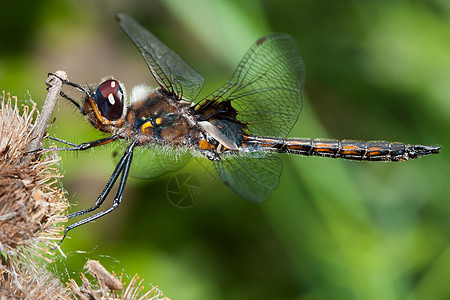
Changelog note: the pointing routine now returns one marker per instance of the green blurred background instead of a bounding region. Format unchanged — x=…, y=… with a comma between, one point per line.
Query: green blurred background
x=333, y=229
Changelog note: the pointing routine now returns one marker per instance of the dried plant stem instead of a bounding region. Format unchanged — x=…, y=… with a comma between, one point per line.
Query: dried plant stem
x=54, y=84
x=108, y=286
x=31, y=204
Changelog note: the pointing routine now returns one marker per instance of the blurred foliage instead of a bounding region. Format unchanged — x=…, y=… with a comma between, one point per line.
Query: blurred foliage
x=333, y=229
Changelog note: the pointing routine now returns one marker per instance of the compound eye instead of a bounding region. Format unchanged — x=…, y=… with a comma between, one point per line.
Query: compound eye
x=109, y=99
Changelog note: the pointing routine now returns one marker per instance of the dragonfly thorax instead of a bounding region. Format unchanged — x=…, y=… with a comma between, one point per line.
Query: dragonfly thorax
x=155, y=119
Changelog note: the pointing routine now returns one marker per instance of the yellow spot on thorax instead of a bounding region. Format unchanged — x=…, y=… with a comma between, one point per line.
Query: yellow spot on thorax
x=146, y=125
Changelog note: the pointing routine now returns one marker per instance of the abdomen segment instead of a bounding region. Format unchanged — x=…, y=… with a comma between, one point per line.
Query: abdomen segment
x=347, y=149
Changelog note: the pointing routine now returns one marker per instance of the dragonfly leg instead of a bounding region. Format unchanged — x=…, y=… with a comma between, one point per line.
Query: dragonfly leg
x=77, y=86
x=82, y=146
x=65, y=96
x=213, y=156
x=122, y=167
x=76, y=147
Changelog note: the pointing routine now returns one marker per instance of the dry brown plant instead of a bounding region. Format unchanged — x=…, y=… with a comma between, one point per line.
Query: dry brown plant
x=32, y=204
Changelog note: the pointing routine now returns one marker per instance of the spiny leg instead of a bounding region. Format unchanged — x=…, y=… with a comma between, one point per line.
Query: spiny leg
x=124, y=168
x=77, y=86
x=101, y=198
x=82, y=146
x=77, y=147
x=67, y=82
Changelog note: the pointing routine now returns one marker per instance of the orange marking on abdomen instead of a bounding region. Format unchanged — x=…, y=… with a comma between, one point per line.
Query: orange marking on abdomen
x=350, y=150
x=325, y=147
x=378, y=149
x=296, y=146
x=350, y=147
x=374, y=153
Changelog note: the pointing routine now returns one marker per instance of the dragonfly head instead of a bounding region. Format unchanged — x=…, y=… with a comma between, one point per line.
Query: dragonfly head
x=104, y=108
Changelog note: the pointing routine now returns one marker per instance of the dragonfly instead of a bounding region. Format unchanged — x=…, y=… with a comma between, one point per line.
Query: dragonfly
x=241, y=127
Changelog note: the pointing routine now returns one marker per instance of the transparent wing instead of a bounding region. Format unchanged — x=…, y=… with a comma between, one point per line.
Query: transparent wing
x=253, y=176
x=154, y=161
x=266, y=88
x=169, y=69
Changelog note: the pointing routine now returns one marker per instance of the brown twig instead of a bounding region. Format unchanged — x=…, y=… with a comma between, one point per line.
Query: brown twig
x=54, y=84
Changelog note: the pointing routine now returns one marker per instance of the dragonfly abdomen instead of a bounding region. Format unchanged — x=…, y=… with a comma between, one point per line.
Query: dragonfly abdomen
x=347, y=149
